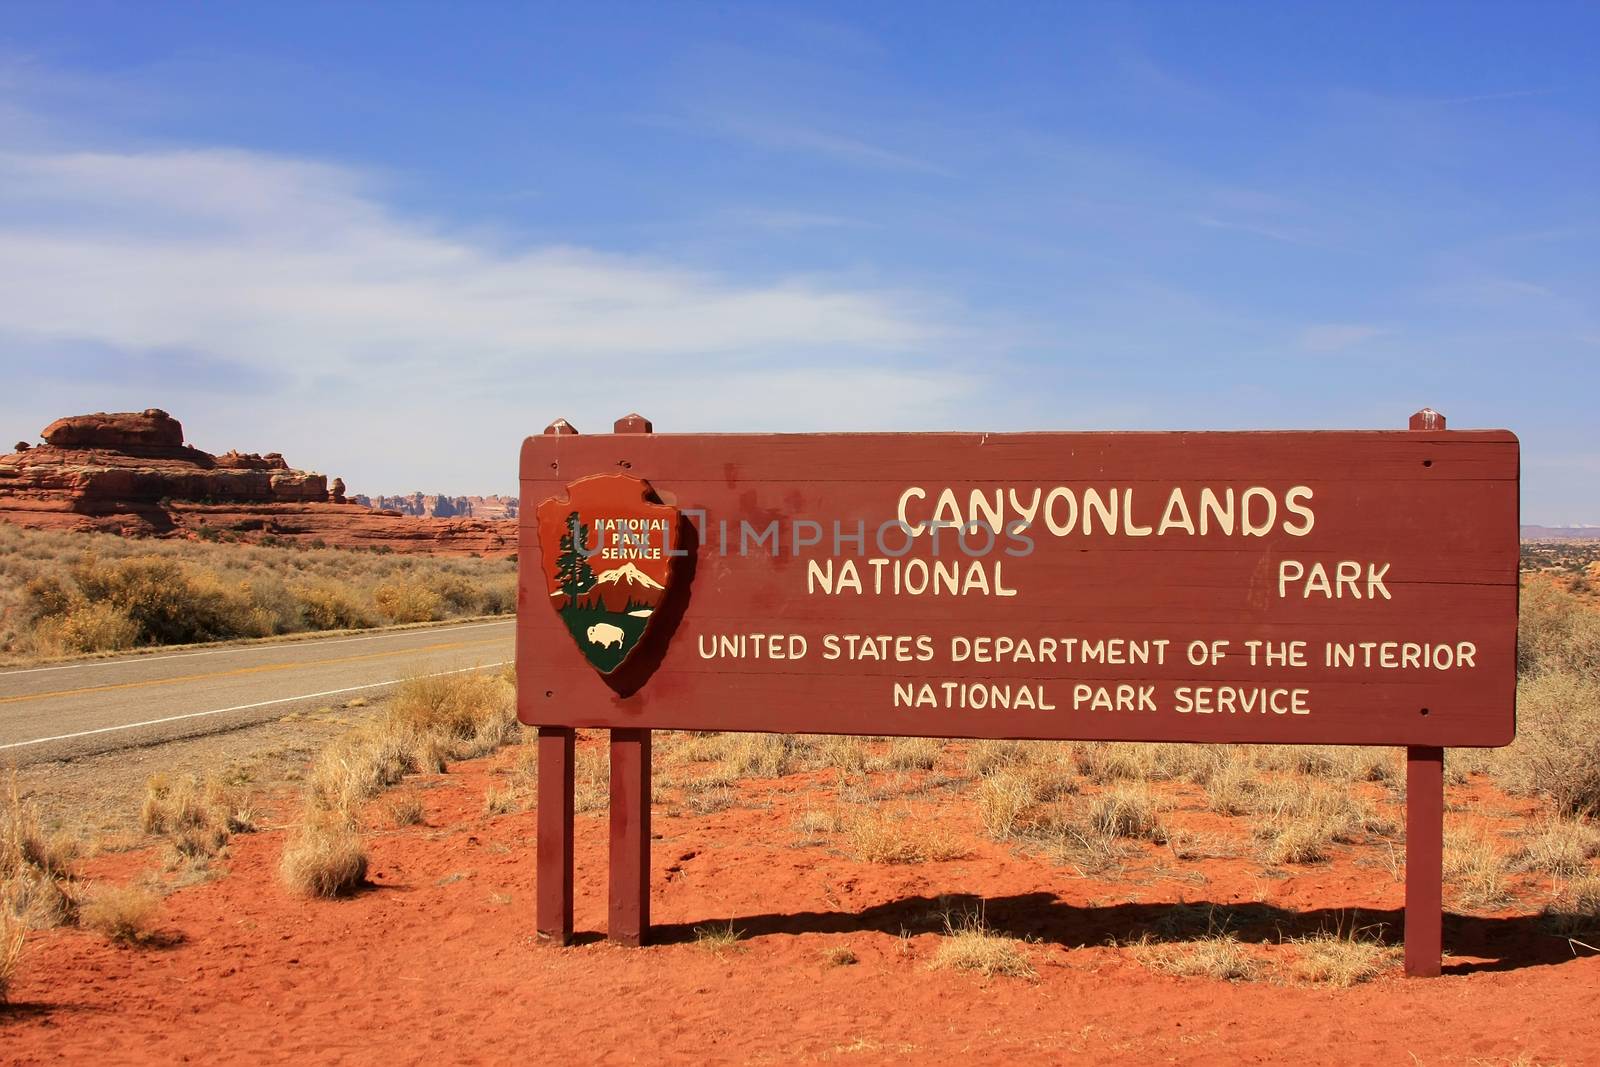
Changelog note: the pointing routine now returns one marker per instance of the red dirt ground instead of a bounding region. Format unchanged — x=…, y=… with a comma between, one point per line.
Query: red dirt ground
x=435, y=963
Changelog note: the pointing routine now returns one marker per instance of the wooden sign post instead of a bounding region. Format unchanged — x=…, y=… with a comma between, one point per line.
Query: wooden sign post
x=1286, y=588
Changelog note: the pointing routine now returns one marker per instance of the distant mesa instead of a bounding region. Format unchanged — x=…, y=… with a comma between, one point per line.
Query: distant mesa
x=132, y=473
x=1561, y=533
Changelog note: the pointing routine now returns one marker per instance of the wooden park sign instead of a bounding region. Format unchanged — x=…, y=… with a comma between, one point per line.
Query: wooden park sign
x=1287, y=588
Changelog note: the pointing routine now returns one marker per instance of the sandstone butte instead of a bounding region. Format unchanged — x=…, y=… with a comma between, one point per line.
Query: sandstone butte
x=131, y=473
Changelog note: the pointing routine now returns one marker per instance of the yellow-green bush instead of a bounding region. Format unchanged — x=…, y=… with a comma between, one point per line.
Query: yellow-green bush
x=70, y=593
x=408, y=601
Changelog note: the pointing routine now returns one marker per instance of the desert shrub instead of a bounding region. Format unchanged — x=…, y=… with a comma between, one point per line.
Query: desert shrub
x=847, y=755
x=169, y=604
x=125, y=914
x=408, y=601
x=459, y=594
x=814, y=826
x=361, y=764
x=87, y=626
x=327, y=605
x=1556, y=632
x=324, y=857
x=45, y=595
x=68, y=593
x=498, y=596
x=710, y=801
x=471, y=712
x=1557, y=750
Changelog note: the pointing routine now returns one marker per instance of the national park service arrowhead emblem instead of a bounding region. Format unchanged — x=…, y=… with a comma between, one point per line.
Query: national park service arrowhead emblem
x=606, y=552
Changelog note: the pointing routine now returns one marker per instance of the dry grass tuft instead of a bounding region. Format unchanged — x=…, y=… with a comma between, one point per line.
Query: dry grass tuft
x=986, y=757
x=712, y=800
x=500, y=801
x=405, y=810
x=36, y=885
x=1127, y=810
x=1343, y=959
x=815, y=826
x=592, y=780
x=173, y=808
x=911, y=754
x=1475, y=868
x=1179, y=946
x=839, y=956
x=124, y=914
x=1300, y=819
x=1562, y=847
x=1013, y=798
x=456, y=716
x=13, y=936
x=718, y=940
x=847, y=755
x=1218, y=955
x=1576, y=909
x=760, y=756
x=896, y=837
x=970, y=945
x=1231, y=788
x=325, y=857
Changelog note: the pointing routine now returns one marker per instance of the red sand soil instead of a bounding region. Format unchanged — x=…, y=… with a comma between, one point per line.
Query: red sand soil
x=435, y=962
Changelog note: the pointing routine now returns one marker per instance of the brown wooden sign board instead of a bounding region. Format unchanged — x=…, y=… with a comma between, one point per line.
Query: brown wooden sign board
x=1292, y=588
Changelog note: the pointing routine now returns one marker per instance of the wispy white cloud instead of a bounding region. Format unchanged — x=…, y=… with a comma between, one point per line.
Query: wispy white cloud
x=297, y=274
x=286, y=261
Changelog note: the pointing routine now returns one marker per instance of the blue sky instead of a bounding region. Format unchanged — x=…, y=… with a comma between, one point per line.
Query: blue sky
x=391, y=240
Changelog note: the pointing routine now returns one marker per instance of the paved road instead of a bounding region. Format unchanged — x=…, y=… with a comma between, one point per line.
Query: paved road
x=74, y=709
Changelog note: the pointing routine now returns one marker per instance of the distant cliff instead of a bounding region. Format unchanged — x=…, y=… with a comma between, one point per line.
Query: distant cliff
x=493, y=508
x=131, y=473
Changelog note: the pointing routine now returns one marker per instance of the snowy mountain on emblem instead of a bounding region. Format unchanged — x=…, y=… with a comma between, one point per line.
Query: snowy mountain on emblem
x=627, y=574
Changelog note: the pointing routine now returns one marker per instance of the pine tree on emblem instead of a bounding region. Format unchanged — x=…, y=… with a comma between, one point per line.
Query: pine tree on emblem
x=573, y=572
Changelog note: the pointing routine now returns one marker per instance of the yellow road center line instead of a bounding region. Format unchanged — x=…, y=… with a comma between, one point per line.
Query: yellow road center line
x=240, y=671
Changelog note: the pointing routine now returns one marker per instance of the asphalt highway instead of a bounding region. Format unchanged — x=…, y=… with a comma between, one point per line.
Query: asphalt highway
x=75, y=709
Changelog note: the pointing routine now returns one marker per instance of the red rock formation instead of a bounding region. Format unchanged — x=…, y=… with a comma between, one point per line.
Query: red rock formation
x=131, y=473
x=151, y=430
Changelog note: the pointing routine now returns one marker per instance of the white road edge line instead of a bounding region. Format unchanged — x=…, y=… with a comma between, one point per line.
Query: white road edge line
x=318, y=642
x=242, y=707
